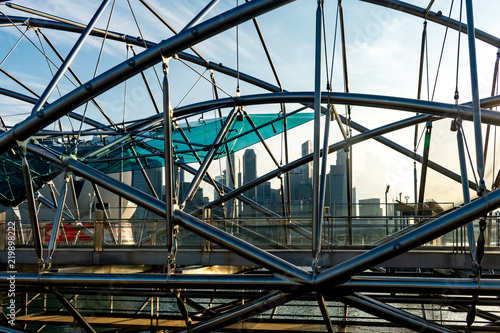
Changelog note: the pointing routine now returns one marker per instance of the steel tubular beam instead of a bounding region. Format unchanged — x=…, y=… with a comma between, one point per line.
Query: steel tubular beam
x=248, y=310
x=376, y=101
x=71, y=309
x=96, y=177
x=135, y=65
x=425, y=162
x=322, y=190
x=317, y=211
x=35, y=227
x=69, y=59
x=169, y=161
x=240, y=247
x=475, y=94
x=147, y=280
x=75, y=197
x=201, y=14
x=418, y=285
x=434, y=17
x=191, y=146
x=68, y=217
x=394, y=315
x=261, y=138
x=57, y=221
x=106, y=215
x=324, y=312
x=465, y=188
x=144, y=174
x=438, y=227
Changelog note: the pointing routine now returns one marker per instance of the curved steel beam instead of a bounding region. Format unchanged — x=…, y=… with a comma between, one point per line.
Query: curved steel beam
x=366, y=100
x=434, y=17
x=175, y=281
x=121, y=72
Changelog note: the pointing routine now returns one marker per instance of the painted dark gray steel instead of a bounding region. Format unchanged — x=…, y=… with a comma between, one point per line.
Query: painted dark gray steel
x=394, y=314
x=316, y=209
x=475, y=93
x=146, y=280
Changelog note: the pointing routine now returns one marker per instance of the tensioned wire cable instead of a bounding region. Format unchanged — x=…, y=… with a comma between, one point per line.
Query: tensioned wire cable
x=460, y=128
x=442, y=49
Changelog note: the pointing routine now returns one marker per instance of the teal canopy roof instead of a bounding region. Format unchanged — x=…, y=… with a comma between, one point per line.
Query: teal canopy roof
x=200, y=136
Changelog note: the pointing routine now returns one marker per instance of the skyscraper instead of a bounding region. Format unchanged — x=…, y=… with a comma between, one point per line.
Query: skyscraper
x=236, y=169
x=233, y=181
x=307, y=148
x=250, y=171
x=338, y=186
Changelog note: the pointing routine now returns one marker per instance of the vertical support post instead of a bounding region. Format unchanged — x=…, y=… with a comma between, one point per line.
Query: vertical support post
x=105, y=214
x=475, y=95
x=419, y=95
x=387, y=211
x=317, y=211
x=493, y=91
x=322, y=186
x=465, y=187
x=57, y=221
x=425, y=161
x=348, y=163
x=154, y=233
x=99, y=230
x=207, y=218
x=35, y=227
x=169, y=166
x=75, y=198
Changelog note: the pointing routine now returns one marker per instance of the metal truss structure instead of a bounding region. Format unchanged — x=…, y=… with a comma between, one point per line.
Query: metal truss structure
x=248, y=292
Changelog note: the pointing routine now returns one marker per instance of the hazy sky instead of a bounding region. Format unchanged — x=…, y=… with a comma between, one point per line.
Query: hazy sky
x=383, y=50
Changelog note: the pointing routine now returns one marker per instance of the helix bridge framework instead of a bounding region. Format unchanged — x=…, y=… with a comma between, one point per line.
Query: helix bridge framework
x=102, y=231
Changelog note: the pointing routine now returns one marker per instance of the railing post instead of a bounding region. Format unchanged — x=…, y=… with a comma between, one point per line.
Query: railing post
x=99, y=230
x=153, y=233
x=207, y=217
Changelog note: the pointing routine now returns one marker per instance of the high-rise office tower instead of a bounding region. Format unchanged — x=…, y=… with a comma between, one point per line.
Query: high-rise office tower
x=338, y=186
x=233, y=180
x=307, y=148
x=250, y=171
x=236, y=170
